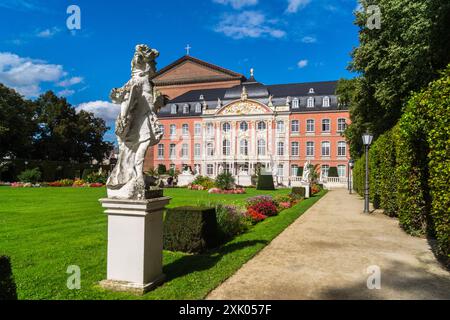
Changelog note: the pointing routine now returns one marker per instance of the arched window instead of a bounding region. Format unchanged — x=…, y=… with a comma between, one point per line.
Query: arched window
x=261, y=126
x=295, y=104
x=326, y=102
x=173, y=109
x=243, y=126
x=310, y=102
x=186, y=109
x=261, y=147
x=210, y=149
x=198, y=108
x=244, y=147
x=226, y=147
x=280, y=126
x=226, y=127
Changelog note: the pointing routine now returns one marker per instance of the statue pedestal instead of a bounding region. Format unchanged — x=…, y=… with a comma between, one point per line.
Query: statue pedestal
x=135, y=244
x=307, y=189
x=185, y=179
x=244, y=180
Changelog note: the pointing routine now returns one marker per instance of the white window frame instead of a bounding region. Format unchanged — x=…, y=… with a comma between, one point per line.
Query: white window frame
x=185, y=129
x=308, y=123
x=295, y=148
x=243, y=147
x=198, y=129
x=173, y=130
x=280, y=148
x=172, y=150
x=198, y=108
x=329, y=125
x=210, y=129
x=310, y=146
x=161, y=151
x=280, y=126
x=342, y=170
x=185, y=108
x=342, y=124
x=311, y=102
x=173, y=109
x=210, y=149
x=342, y=146
x=261, y=147
x=295, y=126
x=197, y=150
x=325, y=145
x=209, y=169
x=280, y=170
x=226, y=147
x=294, y=170
x=226, y=127
x=261, y=126
x=243, y=126
x=326, y=102
x=184, y=151
x=295, y=103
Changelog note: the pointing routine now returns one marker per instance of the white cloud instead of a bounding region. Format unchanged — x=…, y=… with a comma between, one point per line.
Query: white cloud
x=237, y=4
x=48, y=33
x=103, y=109
x=248, y=24
x=295, y=5
x=309, y=39
x=70, y=82
x=302, y=63
x=65, y=92
x=26, y=75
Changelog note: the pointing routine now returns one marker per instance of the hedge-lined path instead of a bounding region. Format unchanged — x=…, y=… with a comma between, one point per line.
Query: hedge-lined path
x=325, y=255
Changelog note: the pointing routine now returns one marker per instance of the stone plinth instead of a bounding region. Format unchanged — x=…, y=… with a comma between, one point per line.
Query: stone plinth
x=135, y=244
x=185, y=179
x=307, y=189
x=244, y=180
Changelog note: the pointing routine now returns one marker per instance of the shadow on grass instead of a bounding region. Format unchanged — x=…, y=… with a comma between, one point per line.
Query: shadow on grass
x=192, y=263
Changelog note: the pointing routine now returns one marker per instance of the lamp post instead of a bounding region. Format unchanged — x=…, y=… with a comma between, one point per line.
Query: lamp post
x=351, y=164
x=367, y=141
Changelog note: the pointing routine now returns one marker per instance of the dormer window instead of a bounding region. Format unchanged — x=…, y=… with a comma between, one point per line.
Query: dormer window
x=310, y=102
x=295, y=103
x=198, y=108
x=202, y=97
x=173, y=109
x=186, y=109
x=326, y=102
x=311, y=90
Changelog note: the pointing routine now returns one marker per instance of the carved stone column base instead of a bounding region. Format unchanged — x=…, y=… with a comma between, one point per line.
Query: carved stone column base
x=135, y=244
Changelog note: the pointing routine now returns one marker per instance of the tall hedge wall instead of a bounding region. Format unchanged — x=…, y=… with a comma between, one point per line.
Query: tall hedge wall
x=410, y=166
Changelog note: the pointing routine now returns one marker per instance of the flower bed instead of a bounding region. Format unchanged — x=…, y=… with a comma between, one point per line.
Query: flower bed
x=221, y=191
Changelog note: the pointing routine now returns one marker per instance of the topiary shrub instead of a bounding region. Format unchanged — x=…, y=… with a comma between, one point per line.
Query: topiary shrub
x=190, y=229
x=265, y=182
x=30, y=175
x=225, y=181
x=206, y=182
x=162, y=169
x=7, y=284
x=231, y=221
x=298, y=192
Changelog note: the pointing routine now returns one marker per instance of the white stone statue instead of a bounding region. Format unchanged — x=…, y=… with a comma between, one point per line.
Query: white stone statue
x=306, y=171
x=137, y=126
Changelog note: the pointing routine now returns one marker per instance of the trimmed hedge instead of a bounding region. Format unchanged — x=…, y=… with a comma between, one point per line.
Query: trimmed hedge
x=190, y=229
x=265, y=182
x=410, y=166
x=299, y=191
x=7, y=284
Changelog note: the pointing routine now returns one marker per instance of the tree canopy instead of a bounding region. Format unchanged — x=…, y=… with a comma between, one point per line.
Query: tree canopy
x=49, y=128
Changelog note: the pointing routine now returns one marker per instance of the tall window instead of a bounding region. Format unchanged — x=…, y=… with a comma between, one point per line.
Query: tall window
x=326, y=102
x=280, y=170
x=173, y=109
x=310, y=125
x=185, y=129
x=342, y=125
x=326, y=126
x=325, y=149
x=210, y=149
x=310, y=149
x=310, y=102
x=294, y=170
x=209, y=169
x=280, y=148
x=342, y=149
x=280, y=126
x=186, y=109
x=172, y=153
x=295, y=104
x=243, y=126
x=210, y=129
x=161, y=127
x=226, y=127
x=198, y=129
x=197, y=150
x=244, y=147
x=226, y=147
x=184, y=150
x=261, y=147
x=341, y=170
x=160, y=150
x=295, y=126
x=198, y=108
x=261, y=126
x=295, y=149
x=325, y=169
x=173, y=130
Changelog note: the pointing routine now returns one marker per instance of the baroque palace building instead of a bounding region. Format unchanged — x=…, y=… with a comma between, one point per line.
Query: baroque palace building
x=218, y=120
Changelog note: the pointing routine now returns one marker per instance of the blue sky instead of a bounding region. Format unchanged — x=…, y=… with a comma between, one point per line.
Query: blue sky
x=283, y=40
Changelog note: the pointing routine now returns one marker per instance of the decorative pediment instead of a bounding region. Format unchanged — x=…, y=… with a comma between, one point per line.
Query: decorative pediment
x=246, y=107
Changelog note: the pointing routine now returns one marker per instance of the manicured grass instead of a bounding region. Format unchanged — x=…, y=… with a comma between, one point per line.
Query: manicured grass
x=48, y=229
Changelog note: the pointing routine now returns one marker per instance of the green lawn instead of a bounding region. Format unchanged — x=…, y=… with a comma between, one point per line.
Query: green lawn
x=45, y=230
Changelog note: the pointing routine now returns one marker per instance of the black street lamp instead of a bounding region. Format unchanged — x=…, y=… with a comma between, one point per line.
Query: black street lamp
x=351, y=164
x=367, y=141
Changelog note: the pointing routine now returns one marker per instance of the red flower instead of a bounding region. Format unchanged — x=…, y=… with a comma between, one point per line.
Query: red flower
x=266, y=208
x=255, y=215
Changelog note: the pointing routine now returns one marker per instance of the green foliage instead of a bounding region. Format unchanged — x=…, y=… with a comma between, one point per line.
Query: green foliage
x=204, y=181
x=298, y=192
x=404, y=55
x=162, y=169
x=333, y=173
x=225, y=181
x=231, y=221
x=190, y=229
x=96, y=177
x=7, y=284
x=30, y=175
x=265, y=182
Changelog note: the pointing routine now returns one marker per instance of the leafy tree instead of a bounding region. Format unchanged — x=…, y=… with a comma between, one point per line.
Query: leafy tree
x=404, y=55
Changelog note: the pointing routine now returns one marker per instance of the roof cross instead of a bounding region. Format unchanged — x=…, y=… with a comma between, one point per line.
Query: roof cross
x=188, y=48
